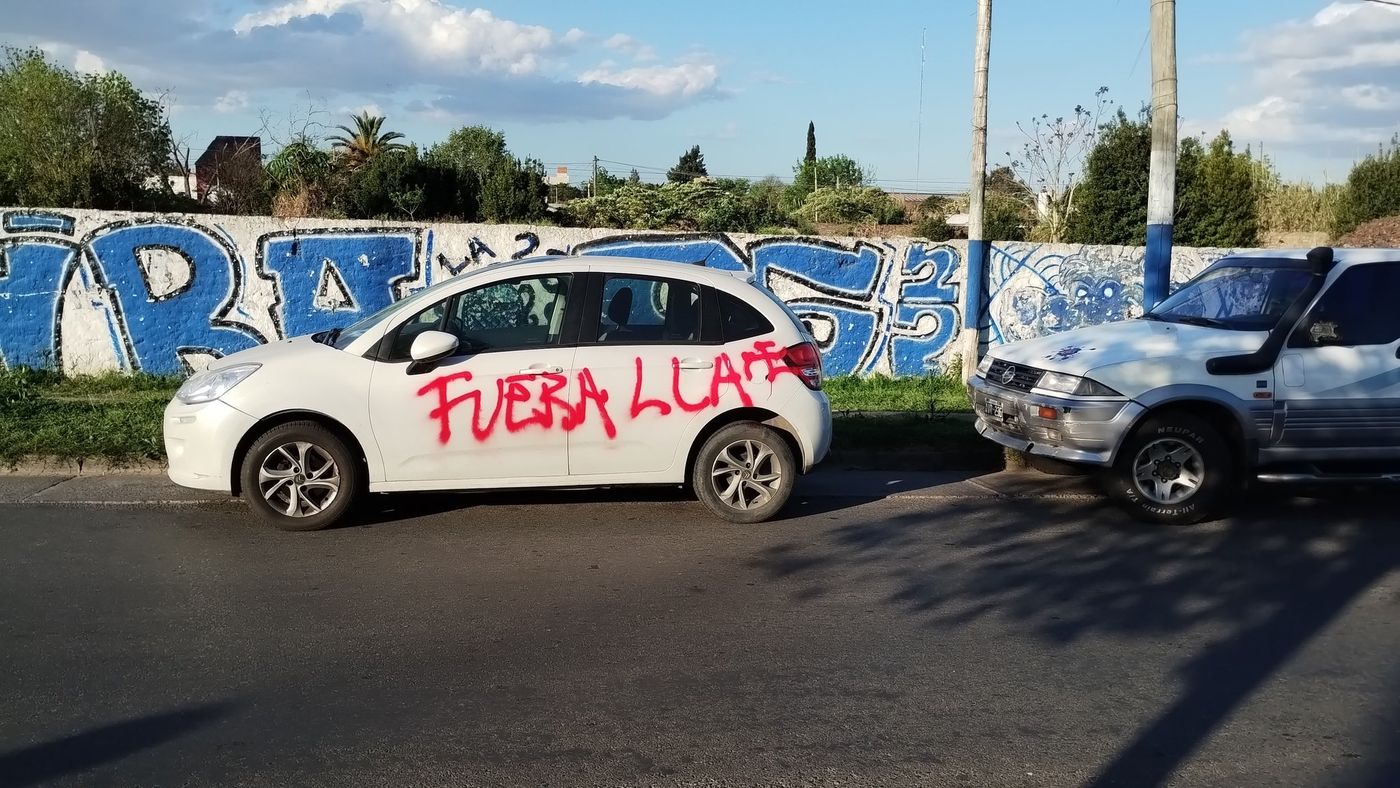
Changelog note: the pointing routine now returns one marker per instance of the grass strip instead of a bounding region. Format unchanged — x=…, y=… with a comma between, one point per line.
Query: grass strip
x=117, y=418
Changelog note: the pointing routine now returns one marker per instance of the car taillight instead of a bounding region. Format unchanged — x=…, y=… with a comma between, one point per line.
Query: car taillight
x=807, y=360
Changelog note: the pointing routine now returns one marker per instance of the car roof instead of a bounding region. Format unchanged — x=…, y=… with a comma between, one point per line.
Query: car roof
x=636, y=265
x=1340, y=256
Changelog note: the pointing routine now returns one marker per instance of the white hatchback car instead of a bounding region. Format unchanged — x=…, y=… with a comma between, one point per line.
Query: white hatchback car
x=548, y=372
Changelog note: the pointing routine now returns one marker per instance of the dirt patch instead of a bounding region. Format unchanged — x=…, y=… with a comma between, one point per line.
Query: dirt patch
x=1377, y=233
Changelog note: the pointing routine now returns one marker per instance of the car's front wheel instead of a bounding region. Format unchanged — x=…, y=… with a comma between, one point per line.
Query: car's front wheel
x=300, y=477
x=744, y=473
x=1175, y=469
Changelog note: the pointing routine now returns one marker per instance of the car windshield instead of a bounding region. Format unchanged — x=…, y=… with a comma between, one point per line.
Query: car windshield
x=1235, y=297
x=341, y=338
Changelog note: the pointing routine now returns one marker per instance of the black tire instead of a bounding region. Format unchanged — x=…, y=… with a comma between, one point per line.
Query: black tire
x=763, y=487
x=316, y=509
x=1173, y=449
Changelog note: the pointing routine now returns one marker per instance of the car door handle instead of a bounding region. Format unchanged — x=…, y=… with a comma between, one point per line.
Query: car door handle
x=694, y=363
x=540, y=369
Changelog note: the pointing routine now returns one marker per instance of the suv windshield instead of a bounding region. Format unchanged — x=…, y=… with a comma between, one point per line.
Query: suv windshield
x=1235, y=297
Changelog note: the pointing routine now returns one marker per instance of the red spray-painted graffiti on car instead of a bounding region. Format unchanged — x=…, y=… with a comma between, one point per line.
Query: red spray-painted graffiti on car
x=533, y=400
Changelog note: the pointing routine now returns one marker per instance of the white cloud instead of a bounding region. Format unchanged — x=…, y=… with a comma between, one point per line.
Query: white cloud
x=683, y=79
x=1319, y=84
x=434, y=30
x=232, y=101
x=627, y=45
x=89, y=63
x=465, y=62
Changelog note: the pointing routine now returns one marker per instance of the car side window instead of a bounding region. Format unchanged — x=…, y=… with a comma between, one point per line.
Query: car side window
x=642, y=310
x=510, y=315
x=429, y=319
x=1357, y=310
x=740, y=320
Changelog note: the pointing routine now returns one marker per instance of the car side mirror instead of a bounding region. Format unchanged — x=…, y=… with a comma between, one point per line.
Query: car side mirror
x=428, y=349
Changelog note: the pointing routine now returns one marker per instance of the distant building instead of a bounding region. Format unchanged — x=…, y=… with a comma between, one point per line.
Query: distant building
x=224, y=155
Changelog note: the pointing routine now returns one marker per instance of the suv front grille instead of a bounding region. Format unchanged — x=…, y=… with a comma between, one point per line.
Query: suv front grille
x=1020, y=379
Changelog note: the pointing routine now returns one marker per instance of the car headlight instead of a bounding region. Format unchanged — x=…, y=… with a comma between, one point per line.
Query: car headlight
x=209, y=385
x=1073, y=384
x=984, y=365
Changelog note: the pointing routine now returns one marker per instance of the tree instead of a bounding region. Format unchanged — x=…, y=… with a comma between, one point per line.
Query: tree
x=1372, y=190
x=607, y=181
x=1110, y=206
x=1052, y=160
x=811, y=142
x=690, y=166
x=1005, y=218
x=300, y=175
x=1217, y=202
x=828, y=171
x=366, y=140
x=78, y=141
x=633, y=177
x=514, y=191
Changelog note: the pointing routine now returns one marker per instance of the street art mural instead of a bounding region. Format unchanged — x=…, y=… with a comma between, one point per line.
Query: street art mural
x=1037, y=289
x=92, y=291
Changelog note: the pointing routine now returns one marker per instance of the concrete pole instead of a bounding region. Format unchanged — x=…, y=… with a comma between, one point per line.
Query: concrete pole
x=1161, y=190
x=975, y=303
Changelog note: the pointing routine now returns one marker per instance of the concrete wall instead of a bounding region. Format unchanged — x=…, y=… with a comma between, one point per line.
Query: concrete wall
x=92, y=291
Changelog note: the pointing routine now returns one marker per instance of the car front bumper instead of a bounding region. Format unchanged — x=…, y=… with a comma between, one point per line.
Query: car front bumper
x=1083, y=430
x=200, y=441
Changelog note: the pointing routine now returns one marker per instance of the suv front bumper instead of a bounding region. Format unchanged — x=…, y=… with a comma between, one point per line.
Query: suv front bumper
x=1085, y=430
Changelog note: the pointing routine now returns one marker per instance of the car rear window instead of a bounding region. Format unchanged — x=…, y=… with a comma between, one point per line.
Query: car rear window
x=739, y=320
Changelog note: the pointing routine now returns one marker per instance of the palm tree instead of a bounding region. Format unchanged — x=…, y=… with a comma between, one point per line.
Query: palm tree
x=365, y=141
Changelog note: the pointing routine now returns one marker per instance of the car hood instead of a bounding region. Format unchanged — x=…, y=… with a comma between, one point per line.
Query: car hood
x=271, y=352
x=1079, y=351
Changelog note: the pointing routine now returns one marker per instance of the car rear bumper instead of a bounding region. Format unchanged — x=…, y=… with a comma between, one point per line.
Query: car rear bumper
x=1083, y=430
x=200, y=441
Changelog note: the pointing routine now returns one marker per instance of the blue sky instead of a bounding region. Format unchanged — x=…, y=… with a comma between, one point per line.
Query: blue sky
x=638, y=83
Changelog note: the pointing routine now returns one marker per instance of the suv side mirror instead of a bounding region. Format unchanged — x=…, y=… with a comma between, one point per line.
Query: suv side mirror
x=429, y=348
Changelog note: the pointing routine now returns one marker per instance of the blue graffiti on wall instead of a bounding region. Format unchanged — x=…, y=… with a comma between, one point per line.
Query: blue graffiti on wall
x=329, y=278
x=844, y=292
x=1034, y=292
x=160, y=326
x=33, y=271
x=170, y=288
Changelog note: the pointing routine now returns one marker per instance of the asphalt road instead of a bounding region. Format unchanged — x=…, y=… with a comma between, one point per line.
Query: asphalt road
x=586, y=640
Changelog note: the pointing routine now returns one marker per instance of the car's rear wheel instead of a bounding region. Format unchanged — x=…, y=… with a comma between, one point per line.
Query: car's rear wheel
x=300, y=477
x=744, y=473
x=1175, y=469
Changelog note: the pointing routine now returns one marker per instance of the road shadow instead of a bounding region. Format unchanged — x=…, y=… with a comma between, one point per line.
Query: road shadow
x=391, y=508
x=1270, y=579
x=82, y=751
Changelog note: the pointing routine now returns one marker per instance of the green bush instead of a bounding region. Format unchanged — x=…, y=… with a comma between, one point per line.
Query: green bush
x=934, y=227
x=1372, y=190
x=862, y=204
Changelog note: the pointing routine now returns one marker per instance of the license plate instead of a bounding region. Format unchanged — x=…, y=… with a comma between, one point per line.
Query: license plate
x=995, y=408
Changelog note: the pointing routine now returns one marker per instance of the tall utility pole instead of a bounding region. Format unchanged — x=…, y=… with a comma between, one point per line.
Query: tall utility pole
x=1161, y=190
x=919, y=144
x=974, y=306
x=595, y=177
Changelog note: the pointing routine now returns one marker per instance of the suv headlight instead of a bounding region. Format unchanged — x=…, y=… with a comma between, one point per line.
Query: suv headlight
x=208, y=386
x=984, y=365
x=1073, y=384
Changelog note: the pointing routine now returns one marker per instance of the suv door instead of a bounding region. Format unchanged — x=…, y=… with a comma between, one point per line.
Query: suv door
x=497, y=408
x=1339, y=377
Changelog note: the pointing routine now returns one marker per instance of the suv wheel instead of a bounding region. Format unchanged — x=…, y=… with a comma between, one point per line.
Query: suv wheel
x=300, y=477
x=744, y=473
x=1176, y=469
